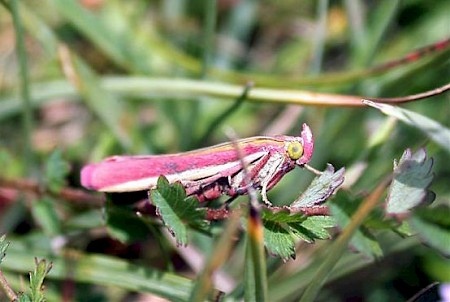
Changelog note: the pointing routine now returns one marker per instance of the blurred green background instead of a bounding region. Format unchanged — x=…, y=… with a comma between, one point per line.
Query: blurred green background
x=149, y=77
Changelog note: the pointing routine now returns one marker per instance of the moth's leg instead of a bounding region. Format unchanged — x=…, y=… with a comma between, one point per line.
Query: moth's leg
x=314, y=170
x=238, y=184
x=264, y=195
x=195, y=187
x=270, y=174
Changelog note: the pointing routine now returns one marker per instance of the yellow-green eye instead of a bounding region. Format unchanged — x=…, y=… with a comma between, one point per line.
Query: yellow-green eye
x=295, y=150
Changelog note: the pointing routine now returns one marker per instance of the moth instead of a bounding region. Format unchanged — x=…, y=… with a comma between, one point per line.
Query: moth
x=207, y=173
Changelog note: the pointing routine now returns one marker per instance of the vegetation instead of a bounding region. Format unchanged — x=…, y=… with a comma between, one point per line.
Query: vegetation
x=84, y=80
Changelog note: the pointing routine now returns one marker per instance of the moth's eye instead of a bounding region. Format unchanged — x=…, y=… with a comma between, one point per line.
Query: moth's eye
x=295, y=150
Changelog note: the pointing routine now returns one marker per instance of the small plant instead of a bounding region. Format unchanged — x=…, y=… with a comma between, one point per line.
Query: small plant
x=41, y=270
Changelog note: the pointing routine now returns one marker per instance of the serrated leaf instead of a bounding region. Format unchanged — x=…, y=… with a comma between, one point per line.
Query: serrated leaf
x=409, y=188
x=317, y=226
x=176, y=209
x=280, y=216
x=321, y=188
x=56, y=170
x=282, y=229
x=279, y=240
x=37, y=280
x=3, y=247
x=362, y=240
x=437, y=132
x=433, y=227
x=314, y=227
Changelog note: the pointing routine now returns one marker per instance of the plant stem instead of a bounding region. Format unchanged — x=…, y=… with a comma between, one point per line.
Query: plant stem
x=8, y=290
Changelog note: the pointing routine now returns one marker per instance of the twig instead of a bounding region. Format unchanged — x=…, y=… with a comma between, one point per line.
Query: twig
x=224, y=115
x=7, y=288
x=220, y=214
x=69, y=194
x=413, y=97
x=412, y=56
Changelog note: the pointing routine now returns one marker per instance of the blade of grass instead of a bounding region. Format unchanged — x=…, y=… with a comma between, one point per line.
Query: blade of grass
x=384, y=16
x=435, y=131
x=285, y=287
x=256, y=286
x=96, y=30
x=209, y=28
x=203, y=285
x=215, y=123
x=104, y=104
x=27, y=118
x=358, y=30
x=99, y=270
x=340, y=245
x=319, y=41
x=182, y=88
x=237, y=26
x=98, y=33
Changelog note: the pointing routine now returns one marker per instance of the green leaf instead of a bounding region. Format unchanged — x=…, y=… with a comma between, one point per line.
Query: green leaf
x=433, y=227
x=123, y=224
x=37, y=280
x=435, y=131
x=362, y=240
x=321, y=188
x=56, y=170
x=24, y=298
x=279, y=239
x=317, y=225
x=45, y=215
x=3, y=247
x=409, y=188
x=176, y=209
x=282, y=229
x=284, y=215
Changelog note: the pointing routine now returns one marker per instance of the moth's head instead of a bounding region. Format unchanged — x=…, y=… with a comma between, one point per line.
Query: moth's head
x=301, y=148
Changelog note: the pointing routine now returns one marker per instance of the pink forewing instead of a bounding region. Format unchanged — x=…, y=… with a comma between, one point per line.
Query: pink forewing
x=118, y=170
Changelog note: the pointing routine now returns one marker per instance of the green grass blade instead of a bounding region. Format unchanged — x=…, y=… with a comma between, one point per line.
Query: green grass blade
x=340, y=245
x=256, y=286
x=435, y=131
x=101, y=270
x=217, y=257
x=27, y=118
x=208, y=35
x=103, y=103
x=92, y=26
